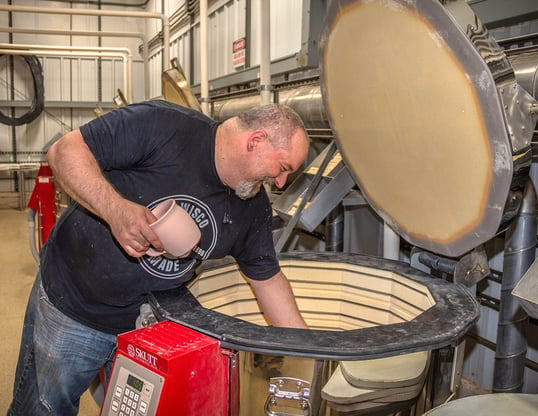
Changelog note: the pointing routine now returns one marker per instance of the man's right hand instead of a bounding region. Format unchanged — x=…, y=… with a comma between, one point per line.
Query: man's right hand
x=129, y=224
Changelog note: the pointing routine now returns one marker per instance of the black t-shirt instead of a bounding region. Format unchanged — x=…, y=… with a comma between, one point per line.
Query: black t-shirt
x=151, y=151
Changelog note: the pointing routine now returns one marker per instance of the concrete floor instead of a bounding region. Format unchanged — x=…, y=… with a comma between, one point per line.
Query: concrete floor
x=17, y=276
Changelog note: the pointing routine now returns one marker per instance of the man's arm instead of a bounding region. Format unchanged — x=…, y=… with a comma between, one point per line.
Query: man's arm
x=277, y=301
x=76, y=170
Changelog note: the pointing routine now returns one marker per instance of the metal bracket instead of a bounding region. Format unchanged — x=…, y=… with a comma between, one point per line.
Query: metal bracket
x=290, y=389
x=518, y=105
x=472, y=268
x=146, y=317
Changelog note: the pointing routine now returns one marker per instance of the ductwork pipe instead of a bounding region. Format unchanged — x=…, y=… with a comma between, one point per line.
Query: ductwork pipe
x=305, y=100
x=519, y=254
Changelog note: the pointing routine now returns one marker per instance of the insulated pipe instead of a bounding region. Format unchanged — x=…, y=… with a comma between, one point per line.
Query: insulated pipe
x=141, y=36
x=304, y=99
x=108, y=13
x=519, y=254
x=265, y=52
x=127, y=63
x=204, y=70
x=125, y=53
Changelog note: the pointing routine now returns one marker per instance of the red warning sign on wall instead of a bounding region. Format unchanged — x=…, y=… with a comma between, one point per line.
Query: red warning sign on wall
x=239, y=53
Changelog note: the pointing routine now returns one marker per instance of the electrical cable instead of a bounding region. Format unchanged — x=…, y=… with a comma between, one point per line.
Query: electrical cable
x=38, y=101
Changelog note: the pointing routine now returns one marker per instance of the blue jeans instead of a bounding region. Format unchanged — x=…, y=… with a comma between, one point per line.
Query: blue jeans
x=58, y=360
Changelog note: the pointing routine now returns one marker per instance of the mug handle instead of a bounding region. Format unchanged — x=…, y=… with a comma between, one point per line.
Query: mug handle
x=154, y=253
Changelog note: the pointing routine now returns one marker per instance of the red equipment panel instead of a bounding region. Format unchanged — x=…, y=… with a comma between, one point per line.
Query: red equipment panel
x=166, y=369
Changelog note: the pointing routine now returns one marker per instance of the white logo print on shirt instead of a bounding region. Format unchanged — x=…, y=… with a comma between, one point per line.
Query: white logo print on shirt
x=165, y=268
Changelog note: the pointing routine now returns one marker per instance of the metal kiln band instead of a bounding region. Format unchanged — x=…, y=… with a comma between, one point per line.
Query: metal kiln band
x=454, y=312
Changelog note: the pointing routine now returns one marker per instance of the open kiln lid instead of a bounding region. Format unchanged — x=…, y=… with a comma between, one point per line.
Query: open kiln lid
x=422, y=111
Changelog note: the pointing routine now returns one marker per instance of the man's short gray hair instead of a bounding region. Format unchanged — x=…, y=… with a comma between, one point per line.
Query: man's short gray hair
x=279, y=121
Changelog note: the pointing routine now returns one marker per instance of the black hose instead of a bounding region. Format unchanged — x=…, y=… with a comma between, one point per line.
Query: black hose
x=438, y=263
x=38, y=102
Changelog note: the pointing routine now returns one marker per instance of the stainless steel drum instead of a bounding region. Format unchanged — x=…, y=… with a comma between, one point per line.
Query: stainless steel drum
x=428, y=117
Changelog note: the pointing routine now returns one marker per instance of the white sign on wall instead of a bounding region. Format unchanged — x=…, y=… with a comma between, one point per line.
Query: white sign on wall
x=239, y=54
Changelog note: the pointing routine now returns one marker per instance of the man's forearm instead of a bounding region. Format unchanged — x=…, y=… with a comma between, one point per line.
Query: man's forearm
x=277, y=301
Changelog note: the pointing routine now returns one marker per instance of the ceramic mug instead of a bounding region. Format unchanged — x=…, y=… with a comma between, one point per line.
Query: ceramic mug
x=175, y=228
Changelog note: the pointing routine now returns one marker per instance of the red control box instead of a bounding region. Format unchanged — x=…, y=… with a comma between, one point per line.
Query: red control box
x=166, y=369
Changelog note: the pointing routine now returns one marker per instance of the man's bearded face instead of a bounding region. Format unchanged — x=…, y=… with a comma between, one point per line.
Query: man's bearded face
x=249, y=189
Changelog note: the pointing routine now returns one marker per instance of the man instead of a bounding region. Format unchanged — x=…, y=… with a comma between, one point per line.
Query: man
x=94, y=271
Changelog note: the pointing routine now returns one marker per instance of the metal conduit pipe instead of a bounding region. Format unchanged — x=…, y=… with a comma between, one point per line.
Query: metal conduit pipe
x=265, y=52
x=519, y=253
x=108, y=13
x=141, y=36
x=125, y=53
x=204, y=54
x=81, y=52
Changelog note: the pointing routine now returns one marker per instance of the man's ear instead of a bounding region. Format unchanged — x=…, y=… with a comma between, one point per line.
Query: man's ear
x=255, y=138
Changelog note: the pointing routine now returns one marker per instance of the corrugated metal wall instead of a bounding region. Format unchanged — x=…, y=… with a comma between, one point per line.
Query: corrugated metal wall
x=75, y=86
x=228, y=22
